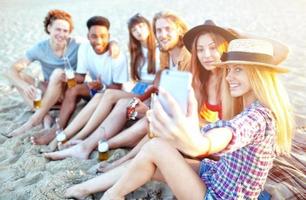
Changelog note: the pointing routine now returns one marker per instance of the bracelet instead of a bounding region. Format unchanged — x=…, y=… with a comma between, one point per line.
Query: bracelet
x=103, y=88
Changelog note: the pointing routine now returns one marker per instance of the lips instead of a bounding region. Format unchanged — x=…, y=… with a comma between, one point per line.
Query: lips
x=233, y=85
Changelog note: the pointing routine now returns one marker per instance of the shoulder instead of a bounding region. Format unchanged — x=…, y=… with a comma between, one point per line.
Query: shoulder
x=78, y=40
x=257, y=116
x=44, y=44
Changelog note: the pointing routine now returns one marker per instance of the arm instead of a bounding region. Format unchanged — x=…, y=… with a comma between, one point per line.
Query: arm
x=183, y=131
x=14, y=74
x=114, y=50
x=80, y=78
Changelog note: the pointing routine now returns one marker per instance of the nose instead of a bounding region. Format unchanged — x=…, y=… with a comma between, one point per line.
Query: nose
x=228, y=75
x=207, y=53
x=162, y=33
x=98, y=40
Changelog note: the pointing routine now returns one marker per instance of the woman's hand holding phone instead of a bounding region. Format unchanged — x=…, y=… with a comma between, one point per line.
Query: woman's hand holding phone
x=180, y=129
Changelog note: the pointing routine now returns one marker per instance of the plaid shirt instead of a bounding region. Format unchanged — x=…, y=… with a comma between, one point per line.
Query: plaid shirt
x=244, y=165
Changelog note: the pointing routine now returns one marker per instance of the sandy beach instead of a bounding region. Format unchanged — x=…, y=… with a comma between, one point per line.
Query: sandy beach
x=24, y=173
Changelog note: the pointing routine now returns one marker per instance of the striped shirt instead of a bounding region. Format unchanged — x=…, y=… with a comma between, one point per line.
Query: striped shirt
x=244, y=165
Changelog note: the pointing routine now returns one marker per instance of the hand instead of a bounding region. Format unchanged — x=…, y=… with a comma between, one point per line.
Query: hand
x=180, y=130
x=141, y=109
x=95, y=85
x=30, y=91
x=114, y=50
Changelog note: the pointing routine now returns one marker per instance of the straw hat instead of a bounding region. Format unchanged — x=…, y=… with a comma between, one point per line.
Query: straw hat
x=208, y=25
x=250, y=52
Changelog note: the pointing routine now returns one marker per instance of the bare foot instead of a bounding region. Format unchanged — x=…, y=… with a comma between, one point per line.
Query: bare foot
x=108, y=195
x=77, y=151
x=27, y=126
x=69, y=144
x=43, y=137
x=50, y=148
x=104, y=166
x=48, y=120
x=77, y=192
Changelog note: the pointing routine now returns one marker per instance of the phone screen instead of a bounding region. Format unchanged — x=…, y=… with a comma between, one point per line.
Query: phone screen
x=178, y=84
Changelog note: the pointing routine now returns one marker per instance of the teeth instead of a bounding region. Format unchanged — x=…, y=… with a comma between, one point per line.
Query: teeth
x=232, y=85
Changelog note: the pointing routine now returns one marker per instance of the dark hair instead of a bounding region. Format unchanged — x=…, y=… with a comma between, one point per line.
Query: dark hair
x=57, y=14
x=98, y=21
x=137, y=57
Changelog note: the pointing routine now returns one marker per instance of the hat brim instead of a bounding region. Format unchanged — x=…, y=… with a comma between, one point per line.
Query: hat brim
x=192, y=33
x=275, y=68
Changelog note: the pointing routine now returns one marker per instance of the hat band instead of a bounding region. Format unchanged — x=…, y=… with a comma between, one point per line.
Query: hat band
x=245, y=56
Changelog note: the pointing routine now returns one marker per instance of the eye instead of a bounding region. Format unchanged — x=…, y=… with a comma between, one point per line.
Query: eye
x=227, y=69
x=238, y=69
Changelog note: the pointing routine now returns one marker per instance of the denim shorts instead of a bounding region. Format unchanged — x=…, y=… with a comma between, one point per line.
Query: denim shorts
x=208, y=195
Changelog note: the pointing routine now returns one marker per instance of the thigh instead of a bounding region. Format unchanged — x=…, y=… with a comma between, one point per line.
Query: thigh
x=169, y=163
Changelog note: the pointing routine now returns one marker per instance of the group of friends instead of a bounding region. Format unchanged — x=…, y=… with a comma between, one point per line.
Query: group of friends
x=238, y=120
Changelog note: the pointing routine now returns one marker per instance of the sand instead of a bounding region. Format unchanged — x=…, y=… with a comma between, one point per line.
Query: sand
x=24, y=173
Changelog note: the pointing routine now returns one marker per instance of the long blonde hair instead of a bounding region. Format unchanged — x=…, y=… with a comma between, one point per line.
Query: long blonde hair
x=272, y=94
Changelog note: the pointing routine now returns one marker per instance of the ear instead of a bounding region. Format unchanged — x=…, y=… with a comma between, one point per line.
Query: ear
x=49, y=27
x=88, y=36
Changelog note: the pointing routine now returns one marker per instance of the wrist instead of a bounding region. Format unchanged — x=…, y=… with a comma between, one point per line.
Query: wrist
x=103, y=87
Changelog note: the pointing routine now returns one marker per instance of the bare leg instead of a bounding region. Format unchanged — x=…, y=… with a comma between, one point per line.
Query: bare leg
x=144, y=166
x=72, y=96
x=131, y=136
x=110, y=97
x=105, y=166
x=97, y=184
x=53, y=93
x=112, y=124
x=77, y=123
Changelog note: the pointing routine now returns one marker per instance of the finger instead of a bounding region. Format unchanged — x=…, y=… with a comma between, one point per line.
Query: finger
x=174, y=108
x=160, y=114
x=192, y=108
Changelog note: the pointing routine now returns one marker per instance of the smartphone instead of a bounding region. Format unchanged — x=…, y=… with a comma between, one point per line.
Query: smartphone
x=178, y=84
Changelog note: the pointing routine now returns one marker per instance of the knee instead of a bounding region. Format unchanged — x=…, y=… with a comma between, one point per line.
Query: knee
x=57, y=76
x=72, y=93
x=155, y=147
x=109, y=94
x=123, y=102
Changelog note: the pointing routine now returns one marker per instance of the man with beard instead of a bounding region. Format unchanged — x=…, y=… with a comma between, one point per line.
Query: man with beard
x=169, y=30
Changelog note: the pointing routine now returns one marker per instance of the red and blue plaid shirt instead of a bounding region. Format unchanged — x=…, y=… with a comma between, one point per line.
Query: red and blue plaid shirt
x=244, y=164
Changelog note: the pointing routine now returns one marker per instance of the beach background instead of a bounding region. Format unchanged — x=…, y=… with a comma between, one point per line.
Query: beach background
x=24, y=173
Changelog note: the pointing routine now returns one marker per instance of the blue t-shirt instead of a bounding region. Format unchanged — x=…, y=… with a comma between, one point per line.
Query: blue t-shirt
x=43, y=53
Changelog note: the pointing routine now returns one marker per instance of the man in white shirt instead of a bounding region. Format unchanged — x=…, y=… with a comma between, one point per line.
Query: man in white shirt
x=94, y=58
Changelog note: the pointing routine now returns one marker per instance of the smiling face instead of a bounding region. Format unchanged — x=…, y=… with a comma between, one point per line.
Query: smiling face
x=140, y=32
x=207, y=51
x=239, y=83
x=98, y=37
x=167, y=34
x=59, y=31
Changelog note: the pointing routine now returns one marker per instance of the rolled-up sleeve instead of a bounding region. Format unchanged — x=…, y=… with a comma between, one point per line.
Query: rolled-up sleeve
x=245, y=127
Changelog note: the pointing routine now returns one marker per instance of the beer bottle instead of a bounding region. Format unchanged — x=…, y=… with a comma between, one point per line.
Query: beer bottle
x=60, y=134
x=38, y=95
x=103, y=148
x=71, y=82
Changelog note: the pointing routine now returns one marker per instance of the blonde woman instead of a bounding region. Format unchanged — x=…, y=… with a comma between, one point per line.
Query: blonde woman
x=259, y=127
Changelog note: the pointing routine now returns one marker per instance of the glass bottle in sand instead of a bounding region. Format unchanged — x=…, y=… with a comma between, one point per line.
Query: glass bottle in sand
x=60, y=135
x=71, y=82
x=103, y=147
x=38, y=95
